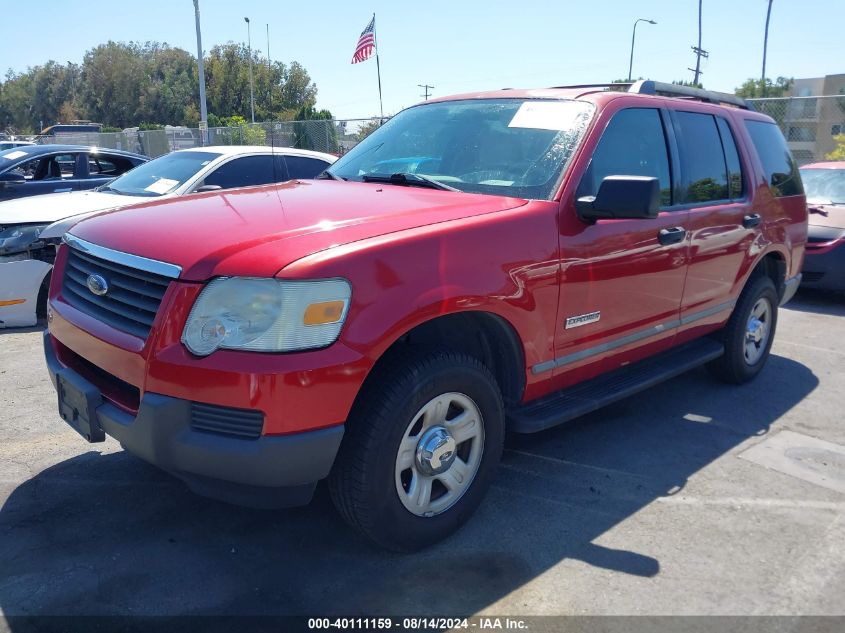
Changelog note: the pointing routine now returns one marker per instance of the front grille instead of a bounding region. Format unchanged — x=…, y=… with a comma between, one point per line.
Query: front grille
x=133, y=298
x=811, y=277
x=243, y=423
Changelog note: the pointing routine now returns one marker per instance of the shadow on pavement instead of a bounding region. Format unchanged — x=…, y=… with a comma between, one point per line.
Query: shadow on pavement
x=39, y=327
x=818, y=302
x=109, y=535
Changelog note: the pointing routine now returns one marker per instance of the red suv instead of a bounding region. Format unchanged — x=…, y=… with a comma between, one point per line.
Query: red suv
x=503, y=260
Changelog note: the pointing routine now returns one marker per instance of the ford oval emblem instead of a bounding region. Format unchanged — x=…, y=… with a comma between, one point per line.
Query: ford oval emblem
x=97, y=285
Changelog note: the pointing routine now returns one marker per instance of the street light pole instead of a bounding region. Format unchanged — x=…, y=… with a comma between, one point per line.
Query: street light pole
x=765, y=46
x=633, y=39
x=200, y=63
x=251, y=87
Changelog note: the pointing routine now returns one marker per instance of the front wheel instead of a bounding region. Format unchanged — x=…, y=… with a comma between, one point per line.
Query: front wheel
x=749, y=333
x=421, y=450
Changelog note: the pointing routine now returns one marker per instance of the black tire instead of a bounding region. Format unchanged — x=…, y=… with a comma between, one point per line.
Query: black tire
x=363, y=481
x=41, y=301
x=733, y=367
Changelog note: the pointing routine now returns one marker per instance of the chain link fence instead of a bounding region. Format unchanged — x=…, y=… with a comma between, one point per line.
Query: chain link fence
x=323, y=135
x=811, y=125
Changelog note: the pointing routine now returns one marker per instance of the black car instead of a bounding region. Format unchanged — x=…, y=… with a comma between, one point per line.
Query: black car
x=35, y=169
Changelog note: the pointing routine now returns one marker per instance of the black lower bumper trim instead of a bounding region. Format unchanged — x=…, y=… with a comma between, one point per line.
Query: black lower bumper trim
x=270, y=471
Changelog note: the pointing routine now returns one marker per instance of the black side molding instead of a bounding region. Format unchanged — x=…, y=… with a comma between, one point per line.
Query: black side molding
x=603, y=390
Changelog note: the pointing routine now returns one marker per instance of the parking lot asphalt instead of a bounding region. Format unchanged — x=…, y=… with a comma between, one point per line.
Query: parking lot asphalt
x=655, y=505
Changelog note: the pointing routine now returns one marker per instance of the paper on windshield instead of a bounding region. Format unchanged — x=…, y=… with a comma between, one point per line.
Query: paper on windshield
x=14, y=155
x=162, y=185
x=547, y=115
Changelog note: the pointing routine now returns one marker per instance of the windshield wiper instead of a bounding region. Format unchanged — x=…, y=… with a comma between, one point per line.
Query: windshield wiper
x=327, y=175
x=408, y=179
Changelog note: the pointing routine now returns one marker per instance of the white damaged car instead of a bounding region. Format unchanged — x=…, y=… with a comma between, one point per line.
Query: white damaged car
x=31, y=227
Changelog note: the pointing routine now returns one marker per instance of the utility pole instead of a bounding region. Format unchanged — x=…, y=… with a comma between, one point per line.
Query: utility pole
x=251, y=87
x=203, y=111
x=765, y=46
x=699, y=52
x=426, y=88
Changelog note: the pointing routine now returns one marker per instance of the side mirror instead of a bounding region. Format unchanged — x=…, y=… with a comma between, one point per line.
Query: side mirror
x=631, y=197
x=10, y=178
x=206, y=188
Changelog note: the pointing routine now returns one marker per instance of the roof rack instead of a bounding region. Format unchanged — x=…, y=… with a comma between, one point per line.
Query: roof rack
x=649, y=87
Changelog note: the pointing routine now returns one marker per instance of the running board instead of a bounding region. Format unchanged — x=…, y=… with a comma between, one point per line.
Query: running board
x=593, y=394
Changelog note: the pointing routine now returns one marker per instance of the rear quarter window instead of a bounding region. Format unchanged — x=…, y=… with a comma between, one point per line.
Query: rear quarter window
x=779, y=167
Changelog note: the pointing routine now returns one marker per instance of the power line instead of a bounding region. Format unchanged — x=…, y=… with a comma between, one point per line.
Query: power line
x=426, y=88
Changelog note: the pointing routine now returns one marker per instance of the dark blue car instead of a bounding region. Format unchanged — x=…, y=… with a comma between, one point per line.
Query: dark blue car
x=35, y=169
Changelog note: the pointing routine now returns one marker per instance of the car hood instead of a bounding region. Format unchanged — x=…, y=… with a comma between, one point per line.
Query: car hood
x=257, y=231
x=56, y=206
x=834, y=218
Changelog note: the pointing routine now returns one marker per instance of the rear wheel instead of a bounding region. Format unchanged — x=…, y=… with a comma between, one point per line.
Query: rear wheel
x=421, y=448
x=749, y=333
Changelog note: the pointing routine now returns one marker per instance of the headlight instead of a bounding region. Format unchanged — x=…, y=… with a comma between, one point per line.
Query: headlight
x=266, y=315
x=16, y=239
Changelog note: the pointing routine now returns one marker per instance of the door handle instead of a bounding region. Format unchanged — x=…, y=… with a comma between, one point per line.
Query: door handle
x=63, y=190
x=672, y=236
x=750, y=221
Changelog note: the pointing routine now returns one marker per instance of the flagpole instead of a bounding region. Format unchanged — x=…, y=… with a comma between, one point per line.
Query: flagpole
x=378, y=68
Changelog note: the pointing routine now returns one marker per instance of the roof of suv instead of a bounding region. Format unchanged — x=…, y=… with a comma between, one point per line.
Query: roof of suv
x=604, y=93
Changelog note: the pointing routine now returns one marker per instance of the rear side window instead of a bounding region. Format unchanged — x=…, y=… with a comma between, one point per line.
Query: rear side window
x=702, y=158
x=779, y=166
x=735, y=179
x=302, y=167
x=634, y=144
x=243, y=172
x=99, y=165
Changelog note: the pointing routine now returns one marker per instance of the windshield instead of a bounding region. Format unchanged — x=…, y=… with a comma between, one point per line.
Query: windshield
x=508, y=147
x=824, y=186
x=161, y=175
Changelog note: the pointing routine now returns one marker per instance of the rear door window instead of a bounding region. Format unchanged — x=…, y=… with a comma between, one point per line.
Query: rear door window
x=303, y=167
x=778, y=165
x=102, y=166
x=243, y=172
x=705, y=171
x=735, y=179
x=633, y=144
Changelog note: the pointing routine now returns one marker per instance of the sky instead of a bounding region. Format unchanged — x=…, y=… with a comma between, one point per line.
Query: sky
x=455, y=45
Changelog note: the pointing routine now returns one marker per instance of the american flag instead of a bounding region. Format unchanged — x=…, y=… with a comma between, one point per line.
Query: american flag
x=366, y=43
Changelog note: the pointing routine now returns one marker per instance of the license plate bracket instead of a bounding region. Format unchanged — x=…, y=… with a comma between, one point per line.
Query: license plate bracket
x=78, y=402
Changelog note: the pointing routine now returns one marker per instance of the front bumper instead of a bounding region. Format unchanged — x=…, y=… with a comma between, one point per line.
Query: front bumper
x=269, y=471
x=824, y=268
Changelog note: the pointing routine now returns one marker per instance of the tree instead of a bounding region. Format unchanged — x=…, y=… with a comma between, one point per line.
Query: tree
x=368, y=128
x=314, y=129
x=121, y=84
x=839, y=151
x=755, y=88
x=689, y=84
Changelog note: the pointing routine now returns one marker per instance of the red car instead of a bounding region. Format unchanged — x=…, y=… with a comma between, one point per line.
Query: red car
x=502, y=260
x=824, y=265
